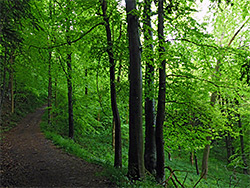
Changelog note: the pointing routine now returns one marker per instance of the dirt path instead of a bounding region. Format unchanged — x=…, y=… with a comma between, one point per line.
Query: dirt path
x=29, y=160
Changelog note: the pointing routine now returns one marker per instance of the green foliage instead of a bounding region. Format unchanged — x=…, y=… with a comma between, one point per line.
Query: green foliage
x=34, y=28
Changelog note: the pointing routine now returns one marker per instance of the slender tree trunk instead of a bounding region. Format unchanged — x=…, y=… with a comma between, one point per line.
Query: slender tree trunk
x=229, y=147
x=196, y=163
x=12, y=83
x=49, y=91
x=70, y=97
x=136, y=169
x=160, y=172
x=204, y=166
x=242, y=146
x=205, y=161
x=69, y=74
x=86, y=86
x=2, y=92
x=150, y=145
x=116, y=116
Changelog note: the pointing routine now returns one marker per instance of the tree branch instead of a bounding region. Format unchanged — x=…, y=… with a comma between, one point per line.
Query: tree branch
x=237, y=32
x=185, y=76
x=68, y=42
x=211, y=46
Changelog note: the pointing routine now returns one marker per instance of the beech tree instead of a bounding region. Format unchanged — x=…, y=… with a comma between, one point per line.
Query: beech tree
x=136, y=169
x=116, y=116
x=150, y=145
x=160, y=117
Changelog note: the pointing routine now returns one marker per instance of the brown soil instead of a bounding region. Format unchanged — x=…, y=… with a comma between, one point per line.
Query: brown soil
x=29, y=160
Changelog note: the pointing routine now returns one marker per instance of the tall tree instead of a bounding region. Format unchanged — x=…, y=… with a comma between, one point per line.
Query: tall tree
x=69, y=75
x=49, y=73
x=136, y=169
x=150, y=146
x=160, y=172
x=116, y=116
x=49, y=90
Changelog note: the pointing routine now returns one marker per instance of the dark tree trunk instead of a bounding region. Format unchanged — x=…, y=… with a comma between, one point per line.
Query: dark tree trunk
x=205, y=158
x=3, y=84
x=69, y=74
x=49, y=91
x=196, y=163
x=116, y=116
x=136, y=169
x=12, y=83
x=160, y=172
x=150, y=145
x=229, y=147
x=70, y=98
x=242, y=146
x=86, y=86
x=2, y=93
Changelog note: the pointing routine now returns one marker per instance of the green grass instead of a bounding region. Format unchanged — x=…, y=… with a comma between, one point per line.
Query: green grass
x=97, y=148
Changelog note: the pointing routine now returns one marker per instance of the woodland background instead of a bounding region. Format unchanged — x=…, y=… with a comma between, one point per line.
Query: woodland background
x=148, y=88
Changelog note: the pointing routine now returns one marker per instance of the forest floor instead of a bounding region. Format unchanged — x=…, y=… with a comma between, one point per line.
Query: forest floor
x=30, y=160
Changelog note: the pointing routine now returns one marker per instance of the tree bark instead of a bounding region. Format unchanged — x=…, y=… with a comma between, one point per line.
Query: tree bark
x=69, y=74
x=205, y=161
x=136, y=169
x=86, y=86
x=229, y=147
x=70, y=98
x=116, y=116
x=160, y=172
x=3, y=87
x=49, y=90
x=12, y=83
x=150, y=145
x=196, y=163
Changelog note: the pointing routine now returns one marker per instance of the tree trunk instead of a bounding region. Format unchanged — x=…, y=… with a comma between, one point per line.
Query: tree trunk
x=86, y=86
x=242, y=146
x=229, y=147
x=204, y=166
x=160, y=164
x=136, y=169
x=116, y=116
x=150, y=145
x=3, y=87
x=69, y=74
x=70, y=94
x=196, y=163
x=49, y=91
x=12, y=83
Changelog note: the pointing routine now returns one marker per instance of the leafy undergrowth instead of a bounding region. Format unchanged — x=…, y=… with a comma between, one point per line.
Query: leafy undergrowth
x=219, y=175
x=97, y=148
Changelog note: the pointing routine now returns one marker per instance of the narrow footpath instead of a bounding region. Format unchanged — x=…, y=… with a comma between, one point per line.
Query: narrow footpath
x=30, y=160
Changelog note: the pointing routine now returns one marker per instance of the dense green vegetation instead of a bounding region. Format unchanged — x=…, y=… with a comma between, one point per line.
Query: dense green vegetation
x=193, y=76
